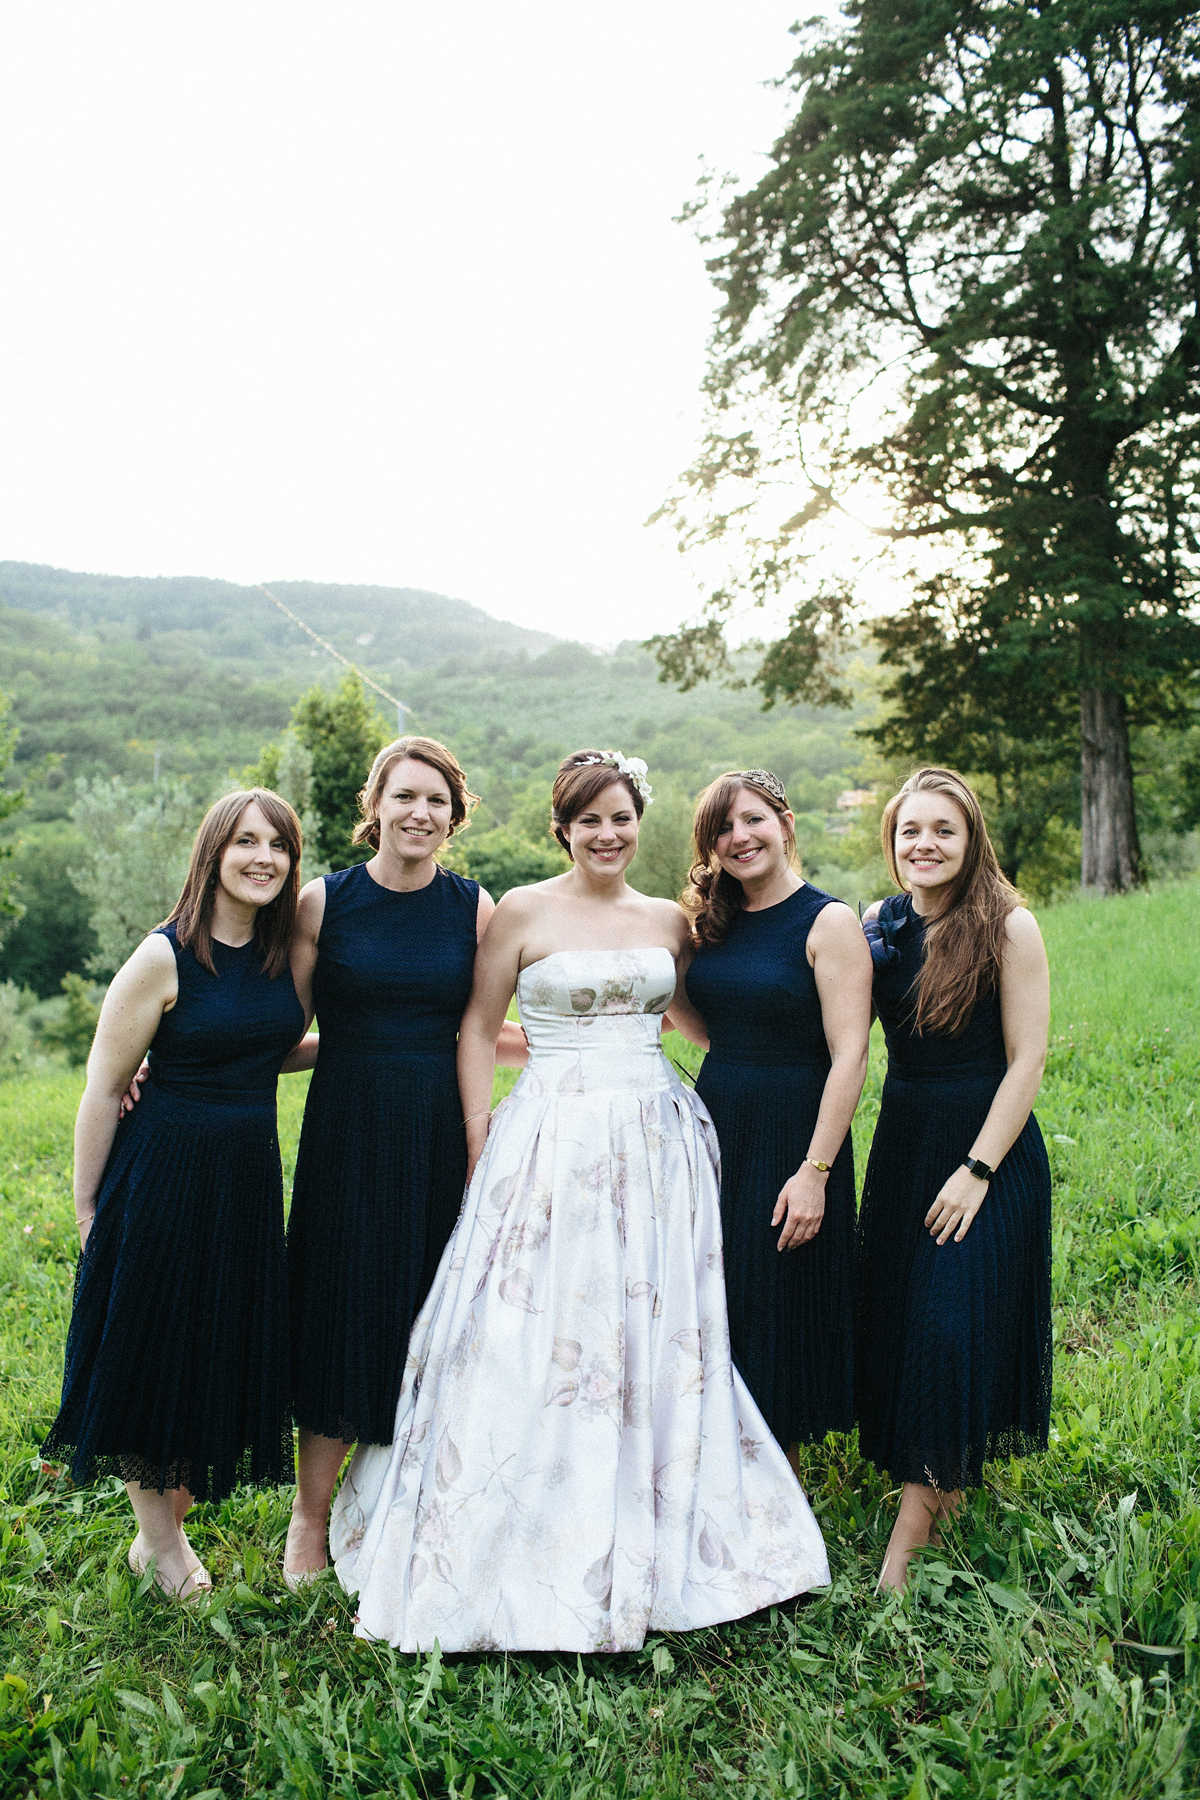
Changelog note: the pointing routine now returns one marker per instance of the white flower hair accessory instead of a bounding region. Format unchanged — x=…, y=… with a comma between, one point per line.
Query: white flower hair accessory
x=632, y=767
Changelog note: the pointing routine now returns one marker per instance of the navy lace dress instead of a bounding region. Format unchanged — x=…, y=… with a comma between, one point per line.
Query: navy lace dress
x=383, y=1155
x=953, y=1356
x=177, y=1355
x=791, y=1313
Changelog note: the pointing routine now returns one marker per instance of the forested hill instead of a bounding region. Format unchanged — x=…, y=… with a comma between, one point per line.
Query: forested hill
x=106, y=672
x=386, y=630
x=189, y=680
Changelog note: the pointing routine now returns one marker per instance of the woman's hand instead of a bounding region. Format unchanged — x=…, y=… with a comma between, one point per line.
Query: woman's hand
x=802, y=1203
x=955, y=1207
x=133, y=1092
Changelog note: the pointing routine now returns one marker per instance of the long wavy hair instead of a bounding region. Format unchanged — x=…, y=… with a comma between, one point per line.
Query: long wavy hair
x=713, y=898
x=193, y=911
x=421, y=749
x=964, y=943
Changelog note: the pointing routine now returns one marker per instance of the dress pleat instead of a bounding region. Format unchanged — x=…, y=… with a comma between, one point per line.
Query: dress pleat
x=791, y=1313
x=954, y=1340
x=382, y=1162
x=177, y=1355
x=576, y=1461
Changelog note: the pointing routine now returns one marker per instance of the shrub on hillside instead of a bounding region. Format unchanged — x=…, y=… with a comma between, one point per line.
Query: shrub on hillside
x=72, y=1029
x=138, y=858
x=15, y=1039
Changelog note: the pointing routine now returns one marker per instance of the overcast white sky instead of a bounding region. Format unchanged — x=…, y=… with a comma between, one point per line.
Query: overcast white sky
x=369, y=292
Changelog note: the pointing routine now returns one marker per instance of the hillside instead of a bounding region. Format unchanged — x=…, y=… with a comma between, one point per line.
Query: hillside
x=192, y=678
x=387, y=630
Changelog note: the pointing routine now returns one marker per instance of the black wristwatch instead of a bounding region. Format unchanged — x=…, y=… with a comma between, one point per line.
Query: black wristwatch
x=982, y=1171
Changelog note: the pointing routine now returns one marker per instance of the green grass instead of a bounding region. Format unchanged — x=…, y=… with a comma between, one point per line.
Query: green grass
x=1052, y=1648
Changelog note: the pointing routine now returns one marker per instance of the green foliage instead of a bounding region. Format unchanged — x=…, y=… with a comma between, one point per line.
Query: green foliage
x=72, y=1032
x=53, y=935
x=138, y=857
x=15, y=1040
x=341, y=733
x=966, y=279
x=10, y=802
x=1050, y=1650
x=104, y=706
x=500, y=859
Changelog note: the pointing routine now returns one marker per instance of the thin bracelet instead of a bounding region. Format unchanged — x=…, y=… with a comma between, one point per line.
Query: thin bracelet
x=485, y=1114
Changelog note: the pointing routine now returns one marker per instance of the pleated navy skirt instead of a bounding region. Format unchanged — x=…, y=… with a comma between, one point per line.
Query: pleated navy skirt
x=177, y=1356
x=380, y=1176
x=791, y=1320
x=953, y=1341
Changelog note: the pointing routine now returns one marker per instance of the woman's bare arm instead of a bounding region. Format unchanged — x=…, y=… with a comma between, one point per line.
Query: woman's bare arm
x=1025, y=1018
x=512, y=1046
x=841, y=964
x=140, y=993
x=497, y=965
x=681, y=1014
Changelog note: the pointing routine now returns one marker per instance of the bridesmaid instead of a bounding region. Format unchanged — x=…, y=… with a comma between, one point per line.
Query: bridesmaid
x=177, y=1356
x=782, y=983
x=386, y=952
x=953, y=1342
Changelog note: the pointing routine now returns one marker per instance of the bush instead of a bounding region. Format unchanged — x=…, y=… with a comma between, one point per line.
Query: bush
x=15, y=1040
x=73, y=1029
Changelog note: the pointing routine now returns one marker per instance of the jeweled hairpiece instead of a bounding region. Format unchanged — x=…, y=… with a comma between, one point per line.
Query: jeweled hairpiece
x=770, y=784
x=630, y=766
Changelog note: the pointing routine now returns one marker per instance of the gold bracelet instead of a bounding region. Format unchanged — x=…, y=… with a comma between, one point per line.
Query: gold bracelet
x=485, y=1114
x=814, y=1164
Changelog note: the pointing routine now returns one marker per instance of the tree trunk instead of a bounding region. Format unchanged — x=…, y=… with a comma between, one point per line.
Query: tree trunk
x=1112, y=860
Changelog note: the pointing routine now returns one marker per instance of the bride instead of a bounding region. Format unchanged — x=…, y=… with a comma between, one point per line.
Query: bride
x=576, y=1461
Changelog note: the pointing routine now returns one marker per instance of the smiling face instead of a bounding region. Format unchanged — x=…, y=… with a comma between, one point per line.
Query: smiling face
x=414, y=810
x=603, y=838
x=931, y=842
x=255, y=862
x=750, y=842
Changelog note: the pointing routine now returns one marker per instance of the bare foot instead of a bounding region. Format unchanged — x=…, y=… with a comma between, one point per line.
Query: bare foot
x=176, y=1574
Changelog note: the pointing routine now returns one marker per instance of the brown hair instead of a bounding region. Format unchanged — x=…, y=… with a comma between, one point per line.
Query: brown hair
x=193, y=911
x=421, y=749
x=582, y=777
x=964, y=943
x=712, y=897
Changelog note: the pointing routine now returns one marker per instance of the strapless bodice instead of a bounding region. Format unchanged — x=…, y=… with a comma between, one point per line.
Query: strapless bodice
x=594, y=1021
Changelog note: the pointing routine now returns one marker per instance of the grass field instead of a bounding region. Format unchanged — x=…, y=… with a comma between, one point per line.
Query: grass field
x=1051, y=1648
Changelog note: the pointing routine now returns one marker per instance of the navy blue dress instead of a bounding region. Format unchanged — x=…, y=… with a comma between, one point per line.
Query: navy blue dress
x=177, y=1355
x=791, y=1313
x=953, y=1343
x=382, y=1162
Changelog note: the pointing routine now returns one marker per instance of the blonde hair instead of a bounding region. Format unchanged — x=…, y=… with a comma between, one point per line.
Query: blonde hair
x=421, y=749
x=192, y=913
x=964, y=943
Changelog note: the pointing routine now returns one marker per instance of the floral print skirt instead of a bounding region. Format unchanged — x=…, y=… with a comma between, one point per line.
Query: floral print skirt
x=576, y=1462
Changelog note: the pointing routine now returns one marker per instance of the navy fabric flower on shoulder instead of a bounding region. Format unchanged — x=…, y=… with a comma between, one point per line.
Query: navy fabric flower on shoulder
x=880, y=932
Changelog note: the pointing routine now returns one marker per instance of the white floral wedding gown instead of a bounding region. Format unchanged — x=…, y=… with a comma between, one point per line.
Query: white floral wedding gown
x=576, y=1461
